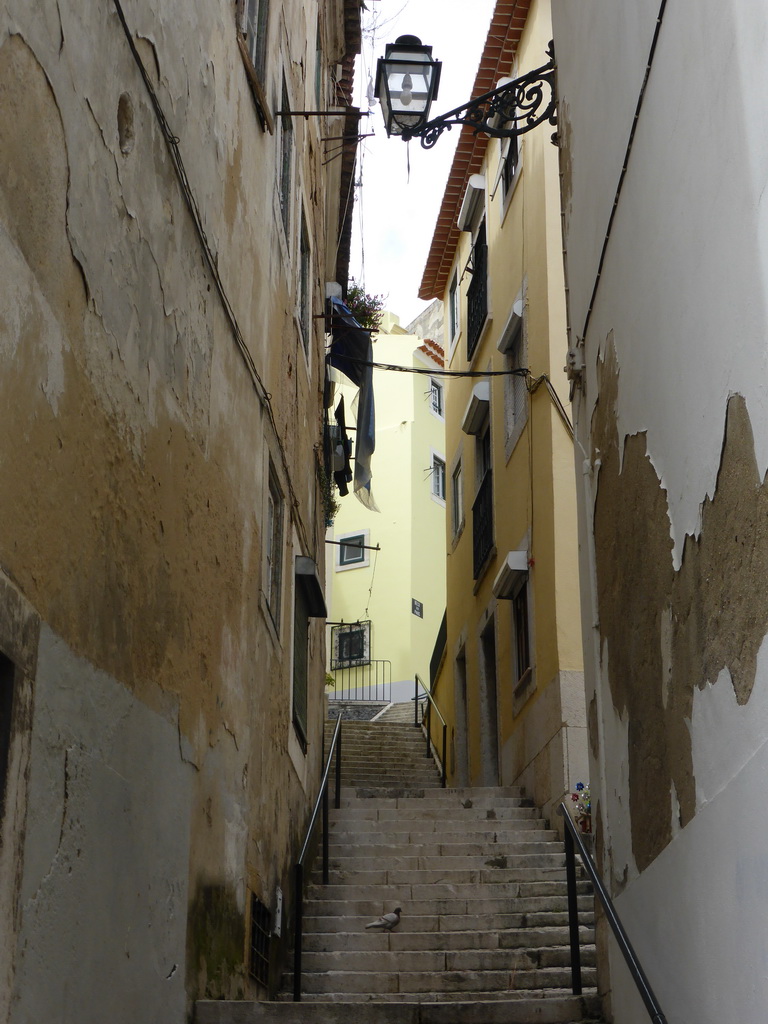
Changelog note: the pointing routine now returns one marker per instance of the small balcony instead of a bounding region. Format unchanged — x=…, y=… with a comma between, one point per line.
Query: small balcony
x=477, y=297
x=482, y=524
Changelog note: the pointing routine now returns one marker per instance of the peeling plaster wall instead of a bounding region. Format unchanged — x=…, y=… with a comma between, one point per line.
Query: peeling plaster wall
x=672, y=415
x=156, y=780
x=104, y=891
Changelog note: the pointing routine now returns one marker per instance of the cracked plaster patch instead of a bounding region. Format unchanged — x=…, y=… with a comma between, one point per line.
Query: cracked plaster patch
x=669, y=631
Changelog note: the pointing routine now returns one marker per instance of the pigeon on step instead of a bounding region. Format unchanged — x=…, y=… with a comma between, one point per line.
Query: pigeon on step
x=387, y=921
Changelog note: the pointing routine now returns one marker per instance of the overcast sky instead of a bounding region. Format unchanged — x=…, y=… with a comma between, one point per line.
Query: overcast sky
x=395, y=213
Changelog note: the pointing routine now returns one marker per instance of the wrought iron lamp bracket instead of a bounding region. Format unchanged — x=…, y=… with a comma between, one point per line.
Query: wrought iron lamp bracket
x=512, y=110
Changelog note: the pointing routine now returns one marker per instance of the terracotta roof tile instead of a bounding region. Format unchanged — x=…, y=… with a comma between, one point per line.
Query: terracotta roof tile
x=506, y=27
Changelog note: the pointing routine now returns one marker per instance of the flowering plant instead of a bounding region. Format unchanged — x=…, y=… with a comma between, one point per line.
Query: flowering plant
x=582, y=811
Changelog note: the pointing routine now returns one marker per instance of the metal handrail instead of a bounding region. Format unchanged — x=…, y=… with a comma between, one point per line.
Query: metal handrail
x=573, y=839
x=431, y=704
x=298, y=870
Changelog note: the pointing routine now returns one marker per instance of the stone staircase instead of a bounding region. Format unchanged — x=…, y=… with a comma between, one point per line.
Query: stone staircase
x=483, y=937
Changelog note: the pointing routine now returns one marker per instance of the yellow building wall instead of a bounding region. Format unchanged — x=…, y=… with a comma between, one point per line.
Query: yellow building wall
x=409, y=527
x=533, y=737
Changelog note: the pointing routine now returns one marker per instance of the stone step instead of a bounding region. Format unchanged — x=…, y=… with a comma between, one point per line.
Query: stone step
x=407, y=984
x=457, y=885
x=511, y=938
x=486, y=837
x=524, y=1008
x=346, y=846
x=547, y=894
x=466, y=796
x=435, y=829
x=419, y=776
x=401, y=798
x=391, y=858
x=422, y=809
x=438, y=914
x=436, y=960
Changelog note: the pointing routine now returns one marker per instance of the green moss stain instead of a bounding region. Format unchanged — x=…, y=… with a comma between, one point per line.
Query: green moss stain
x=216, y=941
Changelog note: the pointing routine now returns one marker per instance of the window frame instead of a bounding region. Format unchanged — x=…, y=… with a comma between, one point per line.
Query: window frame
x=275, y=541
x=454, y=313
x=436, y=387
x=457, y=498
x=255, y=63
x=438, y=477
x=479, y=290
x=286, y=148
x=305, y=285
x=509, y=171
x=343, y=565
x=363, y=628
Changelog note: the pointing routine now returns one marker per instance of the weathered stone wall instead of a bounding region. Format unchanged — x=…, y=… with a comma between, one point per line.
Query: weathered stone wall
x=157, y=777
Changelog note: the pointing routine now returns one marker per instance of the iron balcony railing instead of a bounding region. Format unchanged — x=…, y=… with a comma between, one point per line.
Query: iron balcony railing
x=482, y=523
x=574, y=841
x=477, y=297
x=371, y=680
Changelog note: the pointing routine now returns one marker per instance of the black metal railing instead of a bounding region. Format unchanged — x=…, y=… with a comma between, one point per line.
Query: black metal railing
x=426, y=721
x=574, y=841
x=298, y=870
x=439, y=649
x=477, y=297
x=482, y=523
x=371, y=680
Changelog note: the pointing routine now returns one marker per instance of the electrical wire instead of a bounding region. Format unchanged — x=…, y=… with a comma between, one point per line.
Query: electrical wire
x=625, y=165
x=373, y=576
x=519, y=371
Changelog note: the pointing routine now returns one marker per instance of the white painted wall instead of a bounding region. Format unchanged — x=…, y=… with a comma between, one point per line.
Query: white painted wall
x=684, y=289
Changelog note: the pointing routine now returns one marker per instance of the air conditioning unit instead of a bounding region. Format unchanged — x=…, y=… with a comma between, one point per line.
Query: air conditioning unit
x=511, y=576
x=472, y=203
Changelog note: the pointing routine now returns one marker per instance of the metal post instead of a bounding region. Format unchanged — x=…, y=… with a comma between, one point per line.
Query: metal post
x=429, y=724
x=445, y=739
x=298, y=913
x=338, y=769
x=573, y=913
x=325, y=834
x=416, y=702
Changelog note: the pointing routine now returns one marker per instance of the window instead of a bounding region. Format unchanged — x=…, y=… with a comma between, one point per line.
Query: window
x=318, y=68
x=477, y=293
x=258, y=961
x=511, y=162
x=457, y=499
x=305, y=298
x=274, y=567
x=300, y=663
x=256, y=23
x=515, y=387
x=353, y=550
x=522, y=636
x=308, y=603
x=482, y=507
x=436, y=396
x=453, y=308
x=438, y=477
x=351, y=645
x=286, y=162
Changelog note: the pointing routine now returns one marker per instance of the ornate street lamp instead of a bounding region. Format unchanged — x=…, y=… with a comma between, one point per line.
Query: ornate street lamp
x=407, y=78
